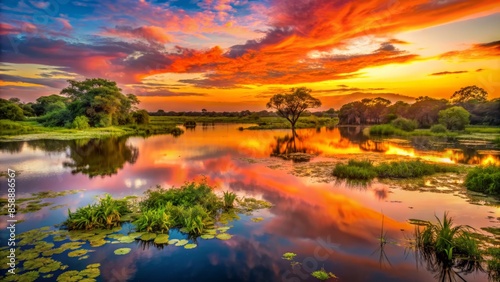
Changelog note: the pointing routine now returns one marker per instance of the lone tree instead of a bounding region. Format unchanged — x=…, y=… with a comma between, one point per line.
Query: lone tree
x=469, y=93
x=292, y=105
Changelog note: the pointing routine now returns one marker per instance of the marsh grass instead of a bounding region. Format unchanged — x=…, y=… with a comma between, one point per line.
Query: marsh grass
x=229, y=198
x=445, y=246
x=484, y=179
x=355, y=170
x=364, y=170
x=105, y=214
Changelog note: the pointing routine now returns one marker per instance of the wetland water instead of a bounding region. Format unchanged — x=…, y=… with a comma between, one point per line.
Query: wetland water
x=327, y=223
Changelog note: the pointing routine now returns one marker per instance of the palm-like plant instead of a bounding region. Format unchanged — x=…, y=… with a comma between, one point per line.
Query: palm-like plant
x=229, y=198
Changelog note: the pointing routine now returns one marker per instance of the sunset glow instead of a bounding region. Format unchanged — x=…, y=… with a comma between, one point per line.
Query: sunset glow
x=235, y=54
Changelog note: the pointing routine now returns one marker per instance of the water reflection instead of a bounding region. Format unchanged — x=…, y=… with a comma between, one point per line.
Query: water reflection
x=100, y=157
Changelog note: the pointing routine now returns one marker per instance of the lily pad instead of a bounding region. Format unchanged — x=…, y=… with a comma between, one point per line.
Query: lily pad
x=136, y=235
x=93, y=265
x=211, y=231
x=173, y=241
x=71, y=245
x=207, y=236
x=77, y=253
x=28, y=254
x=43, y=246
x=223, y=229
x=148, y=236
x=88, y=280
x=289, y=256
x=190, y=246
x=98, y=243
x=83, y=257
x=126, y=239
x=29, y=276
x=49, y=267
x=257, y=219
x=69, y=276
x=223, y=236
x=122, y=251
x=90, y=272
x=181, y=242
x=161, y=239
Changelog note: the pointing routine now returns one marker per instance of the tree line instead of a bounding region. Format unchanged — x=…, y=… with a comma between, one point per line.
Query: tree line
x=467, y=105
x=93, y=102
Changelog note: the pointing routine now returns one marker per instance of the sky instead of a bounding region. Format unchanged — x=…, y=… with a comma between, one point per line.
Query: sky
x=232, y=55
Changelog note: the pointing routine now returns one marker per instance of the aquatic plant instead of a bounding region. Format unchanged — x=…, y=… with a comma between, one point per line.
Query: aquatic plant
x=322, y=274
x=161, y=239
x=105, y=214
x=357, y=170
x=445, y=245
x=153, y=220
x=223, y=236
x=229, y=198
x=484, y=179
x=190, y=246
x=122, y=251
x=289, y=256
x=194, y=219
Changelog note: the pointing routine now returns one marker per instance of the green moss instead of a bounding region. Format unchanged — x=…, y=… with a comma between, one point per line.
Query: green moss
x=289, y=256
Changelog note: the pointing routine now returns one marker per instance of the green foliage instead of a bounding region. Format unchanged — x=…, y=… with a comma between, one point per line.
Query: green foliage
x=46, y=104
x=9, y=127
x=356, y=170
x=105, y=214
x=438, y=128
x=194, y=219
x=289, y=256
x=57, y=118
x=10, y=110
x=365, y=170
x=384, y=130
x=411, y=169
x=141, y=117
x=154, y=220
x=454, y=118
x=404, y=124
x=229, y=198
x=81, y=122
x=322, y=274
x=484, y=179
x=446, y=242
x=494, y=263
x=292, y=105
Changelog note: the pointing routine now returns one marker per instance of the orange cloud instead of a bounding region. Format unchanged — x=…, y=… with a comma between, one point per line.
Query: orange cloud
x=148, y=33
x=476, y=51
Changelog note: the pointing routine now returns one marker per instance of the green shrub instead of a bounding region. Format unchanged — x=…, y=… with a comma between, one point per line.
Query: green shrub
x=383, y=130
x=154, y=220
x=141, y=117
x=484, y=179
x=454, y=118
x=56, y=118
x=81, y=122
x=404, y=124
x=356, y=170
x=106, y=214
x=438, y=128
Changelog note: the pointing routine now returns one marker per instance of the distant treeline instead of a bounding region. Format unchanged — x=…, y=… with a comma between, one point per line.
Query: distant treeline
x=426, y=110
x=245, y=113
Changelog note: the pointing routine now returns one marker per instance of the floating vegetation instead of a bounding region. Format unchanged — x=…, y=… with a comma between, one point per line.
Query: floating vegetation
x=322, y=274
x=50, y=267
x=148, y=236
x=136, y=235
x=69, y=276
x=98, y=243
x=190, y=246
x=289, y=256
x=126, y=239
x=211, y=231
x=181, y=242
x=35, y=202
x=173, y=241
x=257, y=219
x=71, y=245
x=161, y=239
x=90, y=272
x=223, y=236
x=122, y=251
x=29, y=276
x=223, y=229
x=207, y=236
x=83, y=257
x=251, y=204
x=77, y=253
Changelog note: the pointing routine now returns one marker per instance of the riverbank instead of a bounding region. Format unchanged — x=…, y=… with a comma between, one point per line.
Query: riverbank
x=31, y=130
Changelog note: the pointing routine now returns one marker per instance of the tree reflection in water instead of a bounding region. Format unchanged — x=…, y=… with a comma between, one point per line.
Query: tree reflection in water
x=292, y=144
x=100, y=157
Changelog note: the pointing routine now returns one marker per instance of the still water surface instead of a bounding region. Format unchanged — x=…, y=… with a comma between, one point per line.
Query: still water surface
x=326, y=223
